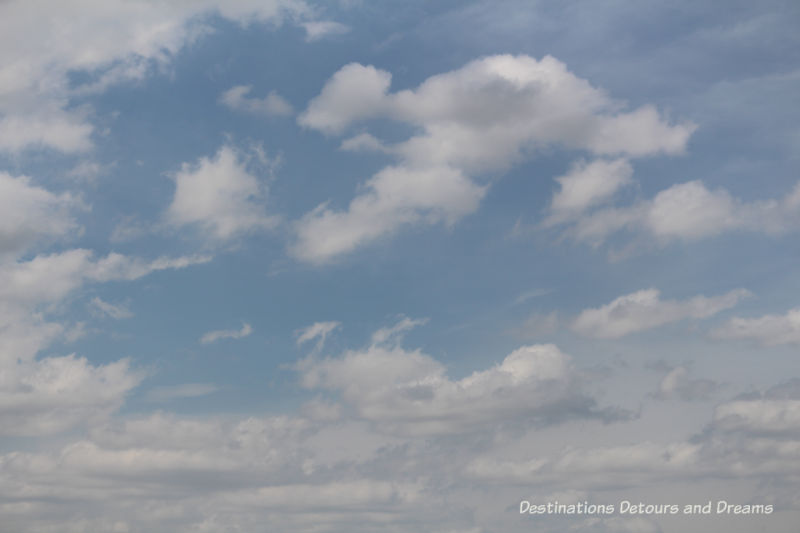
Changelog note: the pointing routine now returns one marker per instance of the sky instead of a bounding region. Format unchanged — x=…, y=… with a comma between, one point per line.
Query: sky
x=350, y=266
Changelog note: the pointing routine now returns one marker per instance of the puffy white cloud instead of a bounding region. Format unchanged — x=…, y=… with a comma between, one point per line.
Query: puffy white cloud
x=480, y=118
x=111, y=40
x=586, y=185
x=644, y=309
x=214, y=336
x=770, y=330
x=354, y=92
x=29, y=213
x=56, y=129
x=395, y=196
x=408, y=392
x=271, y=105
x=496, y=106
x=688, y=211
x=55, y=393
x=219, y=196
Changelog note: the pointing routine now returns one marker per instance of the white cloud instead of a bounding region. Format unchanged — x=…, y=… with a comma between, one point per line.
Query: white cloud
x=317, y=330
x=214, y=336
x=271, y=105
x=644, y=309
x=185, y=390
x=497, y=106
x=111, y=40
x=52, y=394
x=770, y=330
x=408, y=392
x=363, y=142
x=395, y=196
x=117, y=312
x=689, y=211
x=760, y=415
x=354, y=92
x=586, y=185
x=29, y=213
x=220, y=197
x=481, y=118
x=57, y=129
x=320, y=29
x=49, y=278
x=383, y=335
x=55, y=393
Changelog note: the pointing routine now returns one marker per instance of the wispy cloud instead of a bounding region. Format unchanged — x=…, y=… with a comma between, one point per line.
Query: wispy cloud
x=117, y=311
x=214, y=336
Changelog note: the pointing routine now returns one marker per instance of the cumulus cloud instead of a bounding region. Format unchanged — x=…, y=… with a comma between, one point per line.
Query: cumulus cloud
x=687, y=211
x=55, y=393
x=271, y=105
x=396, y=196
x=52, y=394
x=29, y=213
x=114, y=41
x=480, y=118
x=409, y=392
x=770, y=330
x=586, y=185
x=219, y=196
x=214, y=336
x=645, y=309
x=507, y=102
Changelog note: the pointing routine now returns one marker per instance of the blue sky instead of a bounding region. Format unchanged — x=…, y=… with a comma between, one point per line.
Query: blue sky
x=414, y=261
